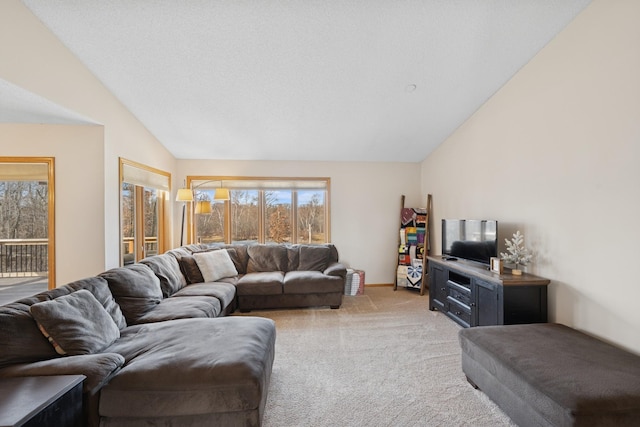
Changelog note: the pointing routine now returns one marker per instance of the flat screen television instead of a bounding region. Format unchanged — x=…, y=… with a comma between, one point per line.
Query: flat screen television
x=471, y=239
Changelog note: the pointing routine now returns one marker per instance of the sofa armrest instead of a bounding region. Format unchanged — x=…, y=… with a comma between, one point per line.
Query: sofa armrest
x=98, y=368
x=336, y=269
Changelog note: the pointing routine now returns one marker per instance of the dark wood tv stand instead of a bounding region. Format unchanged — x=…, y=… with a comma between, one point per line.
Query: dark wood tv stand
x=472, y=295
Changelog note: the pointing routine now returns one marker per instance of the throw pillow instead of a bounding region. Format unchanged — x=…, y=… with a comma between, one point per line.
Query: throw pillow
x=215, y=265
x=76, y=323
x=190, y=269
x=233, y=253
x=99, y=287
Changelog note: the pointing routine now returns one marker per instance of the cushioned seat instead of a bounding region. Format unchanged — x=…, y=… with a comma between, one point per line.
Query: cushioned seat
x=183, y=308
x=311, y=282
x=263, y=283
x=225, y=292
x=552, y=375
x=222, y=369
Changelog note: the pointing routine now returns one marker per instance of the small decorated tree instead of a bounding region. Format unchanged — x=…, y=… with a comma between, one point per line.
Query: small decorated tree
x=516, y=252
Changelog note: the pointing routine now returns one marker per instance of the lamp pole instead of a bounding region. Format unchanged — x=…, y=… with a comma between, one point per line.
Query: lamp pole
x=184, y=195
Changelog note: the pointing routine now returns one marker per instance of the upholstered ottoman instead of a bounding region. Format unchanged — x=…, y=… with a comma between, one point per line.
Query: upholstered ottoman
x=551, y=375
x=191, y=372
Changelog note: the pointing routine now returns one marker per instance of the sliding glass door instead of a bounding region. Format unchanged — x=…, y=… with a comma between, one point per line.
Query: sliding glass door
x=143, y=193
x=27, y=245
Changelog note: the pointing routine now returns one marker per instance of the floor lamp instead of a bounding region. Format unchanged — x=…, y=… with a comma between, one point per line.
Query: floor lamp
x=185, y=195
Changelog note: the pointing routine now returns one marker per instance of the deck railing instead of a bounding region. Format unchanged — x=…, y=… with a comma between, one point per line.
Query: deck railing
x=24, y=257
x=150, y=247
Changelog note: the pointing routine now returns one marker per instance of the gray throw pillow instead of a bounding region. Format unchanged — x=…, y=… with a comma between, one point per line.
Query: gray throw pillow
x=99, y=287
x=76, y=323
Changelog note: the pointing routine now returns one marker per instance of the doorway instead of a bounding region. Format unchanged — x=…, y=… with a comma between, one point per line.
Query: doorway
x=27, y=235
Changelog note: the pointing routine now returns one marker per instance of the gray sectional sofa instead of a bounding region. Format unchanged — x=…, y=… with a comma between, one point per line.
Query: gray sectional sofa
x=276, y=276
x=152, y=340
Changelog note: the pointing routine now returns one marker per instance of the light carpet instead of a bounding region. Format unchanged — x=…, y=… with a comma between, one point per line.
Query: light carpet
x=382, y=359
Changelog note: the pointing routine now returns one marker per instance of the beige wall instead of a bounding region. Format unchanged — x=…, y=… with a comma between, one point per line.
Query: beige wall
x=555, y=154
x=365, y=203
x=79, y=208
x=41, y=64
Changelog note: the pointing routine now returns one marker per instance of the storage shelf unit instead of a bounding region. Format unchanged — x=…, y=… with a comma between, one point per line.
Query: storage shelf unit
x=413, y=247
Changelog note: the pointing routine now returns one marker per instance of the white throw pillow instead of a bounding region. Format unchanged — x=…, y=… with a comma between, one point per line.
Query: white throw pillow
x=215, y=265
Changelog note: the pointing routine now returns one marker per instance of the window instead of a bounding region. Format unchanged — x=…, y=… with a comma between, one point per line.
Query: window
x=142, y=205
x=260, y=210
x=27, y=244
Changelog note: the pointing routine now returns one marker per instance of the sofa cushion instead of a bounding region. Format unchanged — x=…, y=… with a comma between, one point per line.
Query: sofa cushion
x=225, y=292
x=99, y=287
x=136, y=289
x=265, y=283
x=311, y=282
x=178, y=252
x=167, y=269
x=314, y=258
x=21, y=340
x=76, y=323
x=240, y=256
x=236, y=257
x=263, y=258
x=183, y=308
x=190, y=269
x=293, y=255
x=207, y=366
x=215, y=265
x=195, y=247
x=98, y=368
x=333, y=253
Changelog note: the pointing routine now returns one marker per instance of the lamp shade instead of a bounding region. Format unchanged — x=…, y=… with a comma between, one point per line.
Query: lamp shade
x=184, y=195
x=203, y=207
x=222, y=194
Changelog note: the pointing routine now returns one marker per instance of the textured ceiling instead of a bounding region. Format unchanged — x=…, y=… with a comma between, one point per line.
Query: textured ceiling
x=352, y=80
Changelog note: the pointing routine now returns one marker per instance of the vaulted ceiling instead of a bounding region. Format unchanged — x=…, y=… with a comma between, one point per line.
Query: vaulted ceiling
x=352, y=80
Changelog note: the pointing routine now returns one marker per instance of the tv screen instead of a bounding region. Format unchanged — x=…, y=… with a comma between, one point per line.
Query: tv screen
x=475, y=240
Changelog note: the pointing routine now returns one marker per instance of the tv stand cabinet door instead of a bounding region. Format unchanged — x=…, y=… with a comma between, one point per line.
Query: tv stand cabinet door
x=488, y=305
x=438, y=277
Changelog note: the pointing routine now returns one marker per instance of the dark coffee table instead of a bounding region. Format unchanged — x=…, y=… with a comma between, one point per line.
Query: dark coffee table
x=41, y=401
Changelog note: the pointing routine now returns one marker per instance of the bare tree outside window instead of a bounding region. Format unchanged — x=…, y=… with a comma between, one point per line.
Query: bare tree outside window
x=128, y=222
x=151, y=229
x=244, y=216
x=311, y=220
x=23, y=210
x=278, y=216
